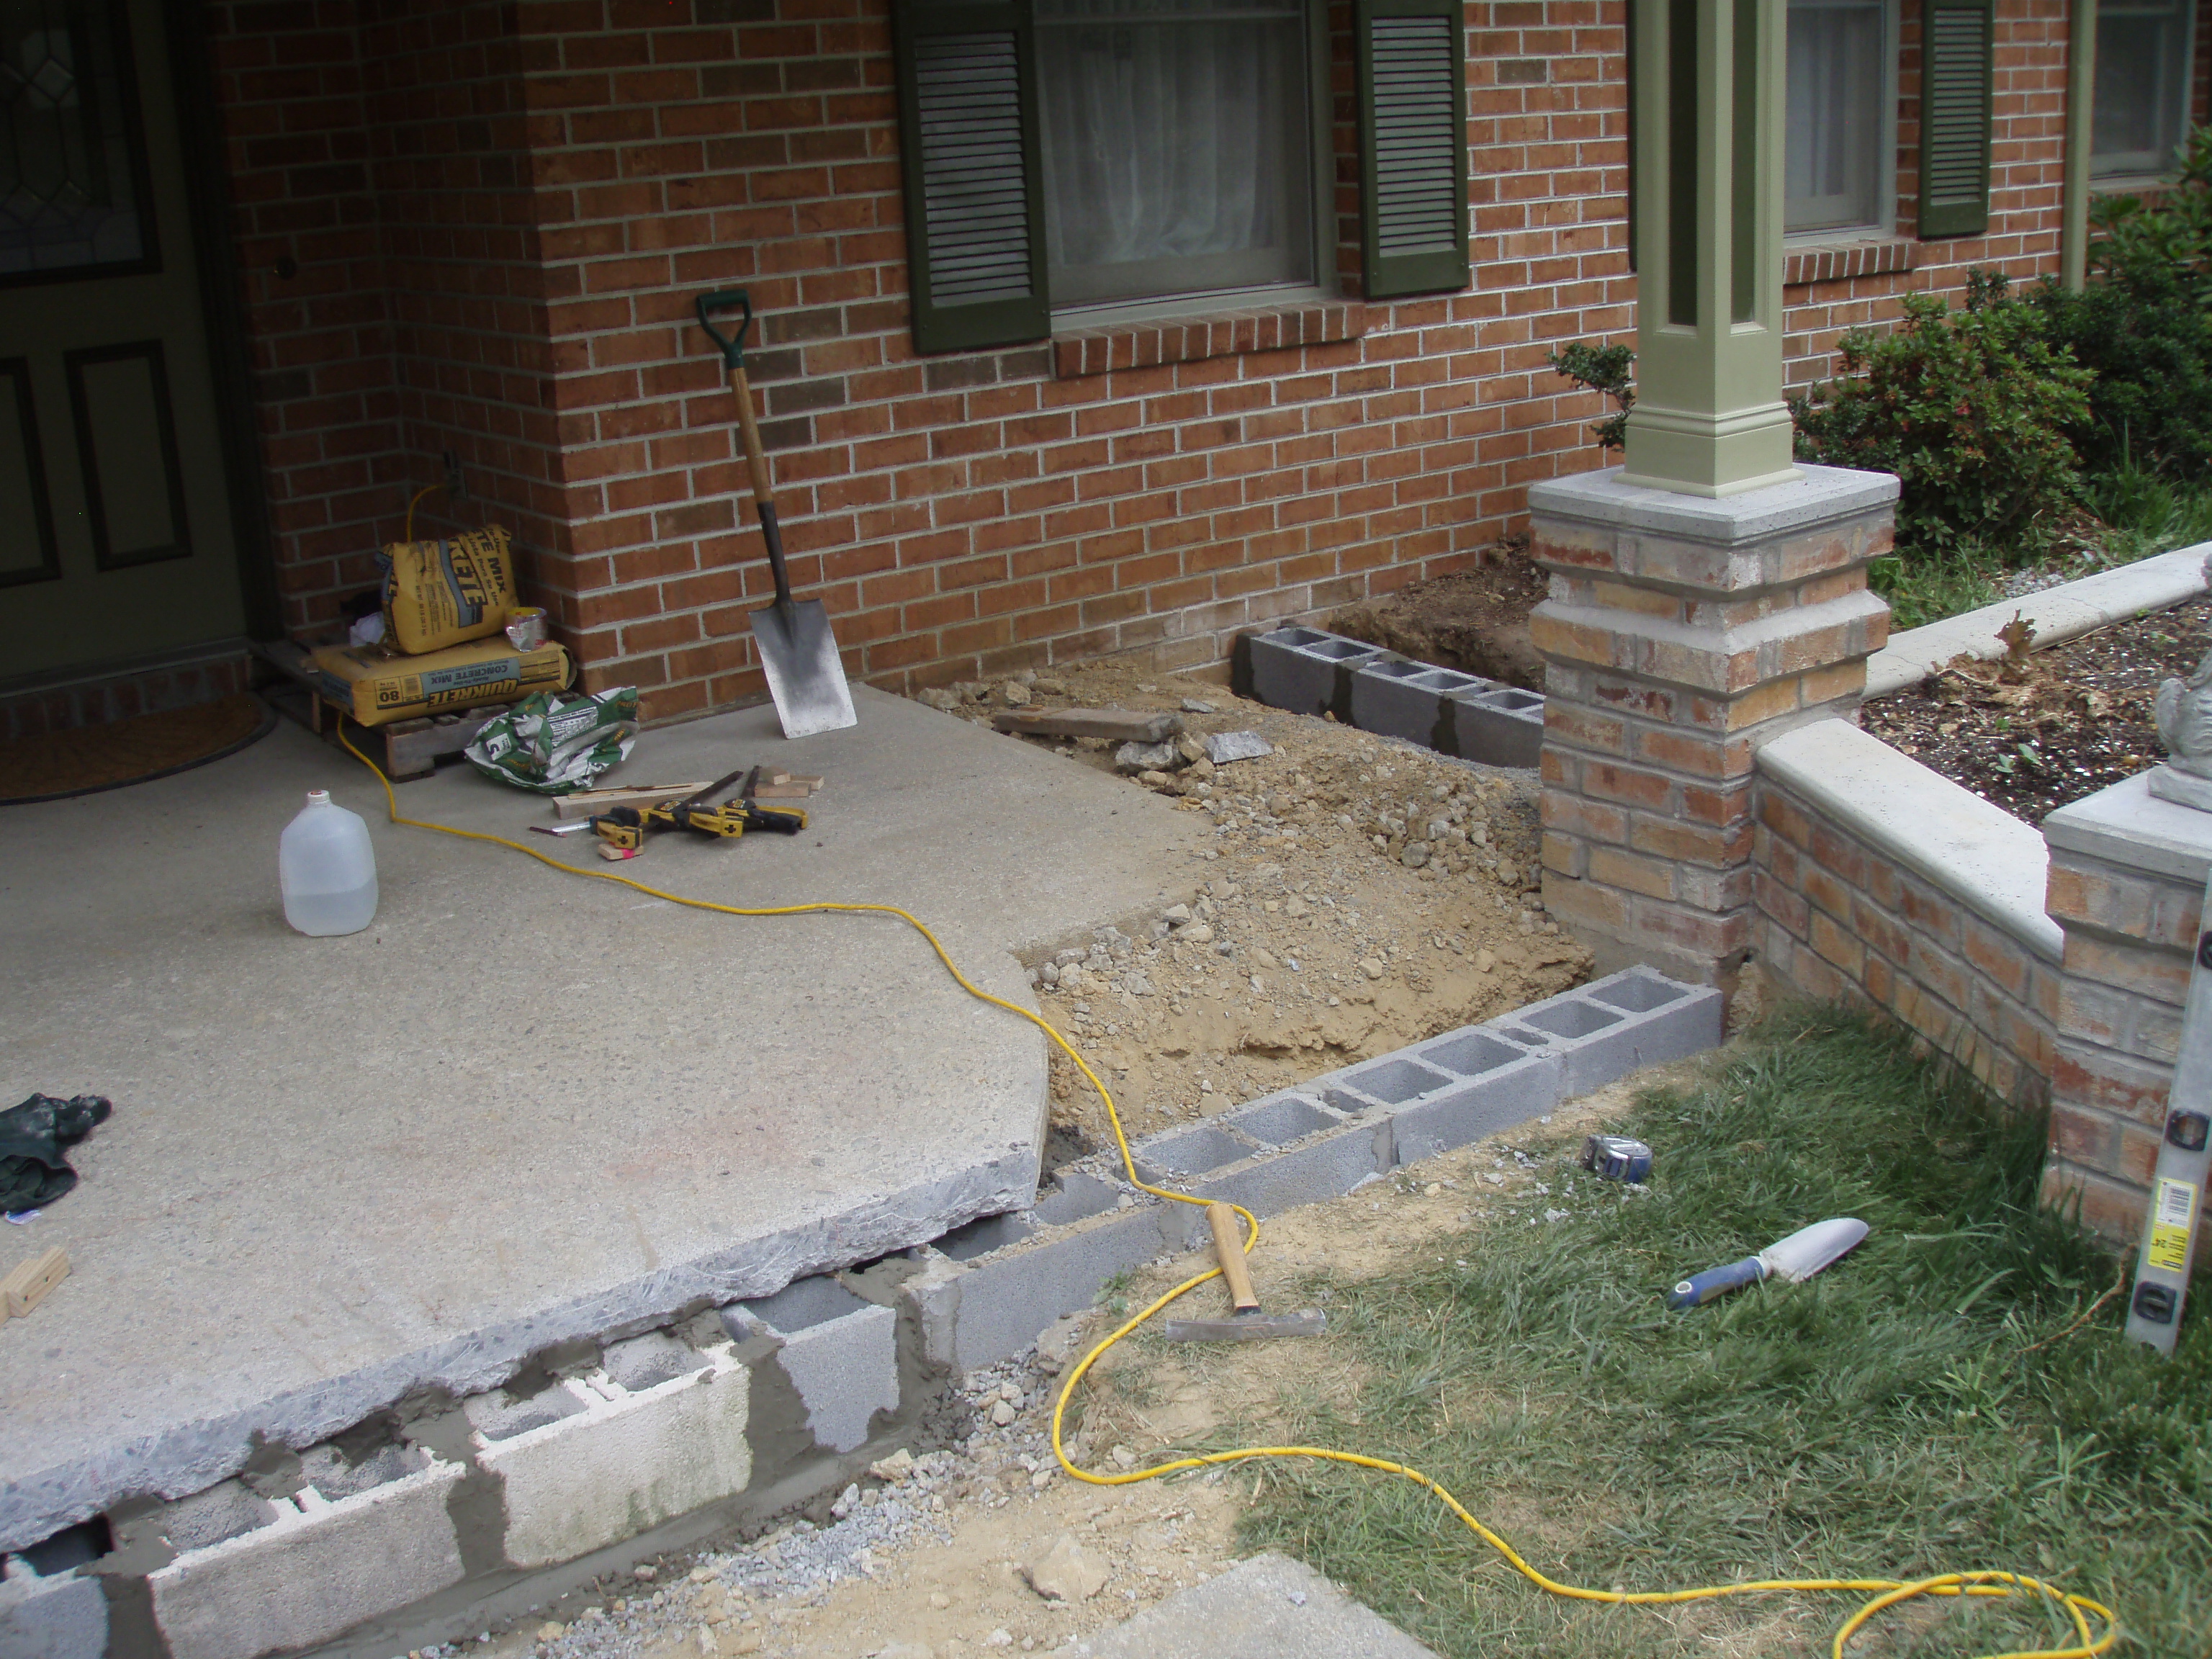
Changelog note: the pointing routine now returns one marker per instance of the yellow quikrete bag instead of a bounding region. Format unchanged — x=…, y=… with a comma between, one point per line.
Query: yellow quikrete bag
x=438, y=594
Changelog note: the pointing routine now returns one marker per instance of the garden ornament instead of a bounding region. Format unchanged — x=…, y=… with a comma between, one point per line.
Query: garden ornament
x=2185, y=726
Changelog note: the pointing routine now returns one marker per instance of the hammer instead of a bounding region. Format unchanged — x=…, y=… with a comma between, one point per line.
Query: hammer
x=1245, y=1323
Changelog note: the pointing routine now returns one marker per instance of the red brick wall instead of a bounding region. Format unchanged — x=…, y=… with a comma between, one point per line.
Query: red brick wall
x=500, y=211
x=1840, y=921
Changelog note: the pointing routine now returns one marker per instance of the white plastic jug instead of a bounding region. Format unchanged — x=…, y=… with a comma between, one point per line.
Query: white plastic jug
x=327, y=869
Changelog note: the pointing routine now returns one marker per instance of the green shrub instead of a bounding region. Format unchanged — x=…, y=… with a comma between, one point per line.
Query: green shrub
x=2144, y=326
x=1971, y=409
x=1601, y=368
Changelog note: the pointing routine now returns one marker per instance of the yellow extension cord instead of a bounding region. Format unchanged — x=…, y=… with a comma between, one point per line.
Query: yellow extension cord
x=1886, y=1592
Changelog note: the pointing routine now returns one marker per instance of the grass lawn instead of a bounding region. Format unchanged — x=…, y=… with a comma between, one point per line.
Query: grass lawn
x=1929, y=1405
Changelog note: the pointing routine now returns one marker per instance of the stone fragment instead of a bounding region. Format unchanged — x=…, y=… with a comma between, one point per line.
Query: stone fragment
x=1175, y=913
x=1013, y=693
x=1190, y=748
x=1196, y=706
x=936, y=696
x=973, y=690
x=1064, y=1573
x=1002, y=1413
x=1415, y=855
x=1157, y=779
x=907, y=1650
x=1508, y=873
x=1198, y=932
x=1222, y=747
x=1372, y=967
x=898, y=1467
x=1144, y=756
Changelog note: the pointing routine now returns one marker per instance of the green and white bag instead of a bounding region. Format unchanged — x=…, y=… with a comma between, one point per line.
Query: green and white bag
x=553, y=742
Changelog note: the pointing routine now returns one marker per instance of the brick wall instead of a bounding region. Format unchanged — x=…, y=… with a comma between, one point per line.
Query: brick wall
x=478, y=228
x=2130, y=934
x=1840, y=921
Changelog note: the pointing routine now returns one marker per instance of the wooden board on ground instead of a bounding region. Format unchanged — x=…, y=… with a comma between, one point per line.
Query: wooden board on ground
x=1115, y=724
x=583, y=803
x=27, y=1286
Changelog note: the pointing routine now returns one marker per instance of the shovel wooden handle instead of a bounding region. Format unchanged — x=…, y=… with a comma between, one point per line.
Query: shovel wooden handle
x=1229, y=1245
x=748, y=428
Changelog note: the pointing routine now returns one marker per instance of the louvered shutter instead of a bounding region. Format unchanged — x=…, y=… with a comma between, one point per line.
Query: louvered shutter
x=1413, y=145
x=1957, y=50
x=975, y=187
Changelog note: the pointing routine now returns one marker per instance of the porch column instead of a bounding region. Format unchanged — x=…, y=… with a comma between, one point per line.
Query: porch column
x=1707, y=594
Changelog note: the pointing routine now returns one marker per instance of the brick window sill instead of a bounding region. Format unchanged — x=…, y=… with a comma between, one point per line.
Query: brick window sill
x=1080, y=352
x=1836, y=262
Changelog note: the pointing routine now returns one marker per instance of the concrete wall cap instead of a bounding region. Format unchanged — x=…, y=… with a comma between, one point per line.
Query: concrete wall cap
x=1951, y=838
x=2127, y=825
x=1823, y=493
x=2060, y=613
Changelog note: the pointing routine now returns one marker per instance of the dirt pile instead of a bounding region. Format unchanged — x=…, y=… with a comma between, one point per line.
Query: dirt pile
x=1356, y=894
x=1475, y=621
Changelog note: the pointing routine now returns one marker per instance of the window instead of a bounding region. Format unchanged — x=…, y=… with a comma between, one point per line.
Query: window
x=1840, y=117
x=1178, y=147
x=1092, y=156
x=2142, y=111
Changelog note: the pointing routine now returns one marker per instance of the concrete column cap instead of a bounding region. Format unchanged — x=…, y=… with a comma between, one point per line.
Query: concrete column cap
x=1821, y=494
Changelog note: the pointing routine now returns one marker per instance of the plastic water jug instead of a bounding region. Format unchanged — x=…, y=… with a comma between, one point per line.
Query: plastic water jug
x=327, y=869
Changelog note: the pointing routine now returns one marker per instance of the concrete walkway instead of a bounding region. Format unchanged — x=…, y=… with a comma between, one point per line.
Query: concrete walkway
x=1268, y=1608
x=522, y=1107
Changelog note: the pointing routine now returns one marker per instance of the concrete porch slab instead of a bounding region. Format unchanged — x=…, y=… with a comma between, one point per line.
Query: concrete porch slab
x=522, y=1107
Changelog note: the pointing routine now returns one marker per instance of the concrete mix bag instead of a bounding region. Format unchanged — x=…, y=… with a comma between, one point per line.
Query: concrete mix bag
x=442, y=593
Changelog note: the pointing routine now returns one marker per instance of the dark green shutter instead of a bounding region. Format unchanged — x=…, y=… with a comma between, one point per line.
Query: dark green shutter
x=974, y=189
x=1413, y=145
x=1957, y=51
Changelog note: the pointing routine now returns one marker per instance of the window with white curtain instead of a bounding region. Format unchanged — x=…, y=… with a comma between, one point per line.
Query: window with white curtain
x=1178, y=147
x=2141, y=108
x=1839, y=109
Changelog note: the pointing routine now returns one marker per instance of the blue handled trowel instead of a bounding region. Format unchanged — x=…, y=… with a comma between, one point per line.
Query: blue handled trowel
x=1801, y=1255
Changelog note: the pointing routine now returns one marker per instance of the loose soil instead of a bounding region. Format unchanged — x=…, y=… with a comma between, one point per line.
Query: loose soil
x=960, y=1589
x=1475, y=621
x=2032, y=736
x=1356, y=894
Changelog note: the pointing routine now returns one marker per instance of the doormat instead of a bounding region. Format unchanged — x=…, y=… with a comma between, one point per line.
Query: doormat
x=85, y=759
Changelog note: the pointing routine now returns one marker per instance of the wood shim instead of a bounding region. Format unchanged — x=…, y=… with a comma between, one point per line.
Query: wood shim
x=27, y=1286
x=1116, y=724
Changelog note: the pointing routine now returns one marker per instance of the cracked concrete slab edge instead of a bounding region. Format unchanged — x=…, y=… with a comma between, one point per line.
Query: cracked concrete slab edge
x=190, y=1457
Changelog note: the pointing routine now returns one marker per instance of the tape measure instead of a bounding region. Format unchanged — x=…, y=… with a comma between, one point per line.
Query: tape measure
x=1616, y=1157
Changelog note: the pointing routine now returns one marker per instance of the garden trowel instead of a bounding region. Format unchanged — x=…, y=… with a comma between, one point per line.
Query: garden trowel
x=1801, y=1255
x=1245, y=1323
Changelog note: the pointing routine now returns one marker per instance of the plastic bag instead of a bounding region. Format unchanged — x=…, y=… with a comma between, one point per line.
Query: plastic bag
x=552, y=742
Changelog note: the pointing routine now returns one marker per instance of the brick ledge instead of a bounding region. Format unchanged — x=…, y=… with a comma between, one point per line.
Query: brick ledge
x=1839, y=261
x=1081, y=352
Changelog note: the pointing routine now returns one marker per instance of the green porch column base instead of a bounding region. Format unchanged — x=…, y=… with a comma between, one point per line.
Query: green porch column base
x=1695, y=453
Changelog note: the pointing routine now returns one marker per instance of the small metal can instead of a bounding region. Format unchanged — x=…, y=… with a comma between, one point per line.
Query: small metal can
x=526, y=627
x=1616, y=1157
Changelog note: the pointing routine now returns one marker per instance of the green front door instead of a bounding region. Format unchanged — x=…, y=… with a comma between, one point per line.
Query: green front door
x=116, y=539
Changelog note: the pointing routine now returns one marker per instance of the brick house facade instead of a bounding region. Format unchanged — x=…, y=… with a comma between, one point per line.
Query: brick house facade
x=474, y=231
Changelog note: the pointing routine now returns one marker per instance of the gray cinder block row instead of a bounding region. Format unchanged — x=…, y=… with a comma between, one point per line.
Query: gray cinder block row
x=1313, y=1143
x=58, y=1616
x=841, y=1353
x=1313, y=673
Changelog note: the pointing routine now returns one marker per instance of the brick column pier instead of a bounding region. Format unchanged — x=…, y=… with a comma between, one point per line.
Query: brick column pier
x=2127, y=885
x=1681, y=632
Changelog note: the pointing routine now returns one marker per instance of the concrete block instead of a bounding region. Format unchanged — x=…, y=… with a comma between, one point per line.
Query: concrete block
x=1497, y=725
x=1311, y=1171
x=316, y=1570
x=1007, y=1298
x=226, y=1509
x=624, y=1461
x=1392, y=1080
x=1395, y=697
x=499, y=1415
x=1277, y=1120
x=61, y=1617
x=985, y=1234
x=1615, y=1026
x=1308, y=672
x=1494, y=1083
x=840, y=1353
x=1175, y=1155
x=1075, y=1197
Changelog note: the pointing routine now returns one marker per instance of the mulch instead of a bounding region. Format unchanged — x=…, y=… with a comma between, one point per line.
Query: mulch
x=2033, y=736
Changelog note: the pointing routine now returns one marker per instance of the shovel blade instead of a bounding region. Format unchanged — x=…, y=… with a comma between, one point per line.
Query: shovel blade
x=804, y=674
x=1246, y=1327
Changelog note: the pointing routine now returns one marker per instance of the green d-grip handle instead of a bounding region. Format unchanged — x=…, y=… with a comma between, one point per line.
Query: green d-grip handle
x=1714, y=1281
x=734, y=350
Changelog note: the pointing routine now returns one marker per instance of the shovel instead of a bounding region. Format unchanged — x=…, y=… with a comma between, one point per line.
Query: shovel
x=1801, y=1255
x=792, y=637
x=1245, y=1323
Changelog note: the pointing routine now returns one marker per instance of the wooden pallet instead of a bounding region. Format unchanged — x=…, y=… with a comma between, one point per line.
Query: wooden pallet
x=405, y=749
